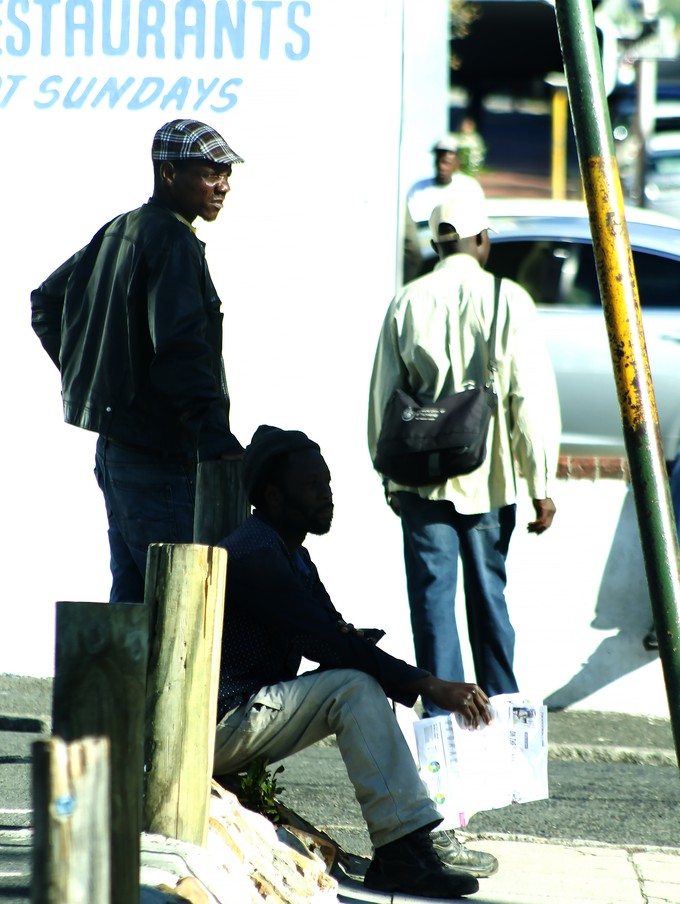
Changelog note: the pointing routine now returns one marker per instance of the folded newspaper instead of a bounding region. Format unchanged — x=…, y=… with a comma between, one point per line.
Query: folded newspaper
x=502, y=763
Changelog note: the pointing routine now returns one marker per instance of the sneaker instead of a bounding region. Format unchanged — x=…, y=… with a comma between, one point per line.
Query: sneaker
x=410, y=866
x=454, y=853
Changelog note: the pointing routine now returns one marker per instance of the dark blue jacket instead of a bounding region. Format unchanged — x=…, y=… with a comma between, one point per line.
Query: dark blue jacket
x=277, y=611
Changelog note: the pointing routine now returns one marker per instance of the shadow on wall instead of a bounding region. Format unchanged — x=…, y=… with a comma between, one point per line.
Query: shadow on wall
x=622, y=606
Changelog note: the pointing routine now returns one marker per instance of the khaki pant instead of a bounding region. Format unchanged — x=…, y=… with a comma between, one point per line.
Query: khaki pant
x=283, y=718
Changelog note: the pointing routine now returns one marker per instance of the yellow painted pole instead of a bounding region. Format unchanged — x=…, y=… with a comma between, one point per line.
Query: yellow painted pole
x=621, y=306
x=559, y=110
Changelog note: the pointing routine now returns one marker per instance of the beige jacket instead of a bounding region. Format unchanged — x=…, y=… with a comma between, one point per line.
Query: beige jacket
x=435, y=339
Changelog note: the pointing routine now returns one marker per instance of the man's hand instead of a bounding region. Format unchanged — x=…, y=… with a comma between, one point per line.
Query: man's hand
x=545, y=512
x=468, y=700
x=372, y=635
x=391, y=500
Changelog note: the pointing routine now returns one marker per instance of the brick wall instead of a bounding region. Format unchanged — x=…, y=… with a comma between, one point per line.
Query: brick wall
x=574, y=467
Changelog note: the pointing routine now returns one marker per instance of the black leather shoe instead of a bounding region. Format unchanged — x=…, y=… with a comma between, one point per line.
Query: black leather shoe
x=454, y=853
x=410, y=865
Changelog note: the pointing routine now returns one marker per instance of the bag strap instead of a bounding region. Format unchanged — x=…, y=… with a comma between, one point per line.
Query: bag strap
x=492, y=365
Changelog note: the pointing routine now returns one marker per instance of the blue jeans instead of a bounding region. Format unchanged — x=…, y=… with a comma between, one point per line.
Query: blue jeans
x=434, y=535
x=149, y=499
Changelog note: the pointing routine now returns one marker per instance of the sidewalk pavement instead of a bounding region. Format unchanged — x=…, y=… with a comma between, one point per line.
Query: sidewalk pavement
x=532, y=871
x=556, y=871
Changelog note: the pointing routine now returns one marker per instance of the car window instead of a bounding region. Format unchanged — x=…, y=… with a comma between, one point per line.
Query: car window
x=559, y=272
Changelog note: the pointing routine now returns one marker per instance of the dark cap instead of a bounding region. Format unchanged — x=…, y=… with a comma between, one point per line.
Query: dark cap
x=188, y=139
x=267, y=444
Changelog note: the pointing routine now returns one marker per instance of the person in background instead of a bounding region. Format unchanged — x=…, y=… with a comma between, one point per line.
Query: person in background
x=133, y=322
x=434, y=342
x=471, y=147
x=424, y=195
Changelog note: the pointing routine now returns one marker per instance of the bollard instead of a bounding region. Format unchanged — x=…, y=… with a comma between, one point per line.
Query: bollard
x=72, y=818
x=99, y=690
x=185, y=587
x=221, y=504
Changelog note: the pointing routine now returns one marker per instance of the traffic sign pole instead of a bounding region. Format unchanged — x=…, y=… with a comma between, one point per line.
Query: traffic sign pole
x=621, y=305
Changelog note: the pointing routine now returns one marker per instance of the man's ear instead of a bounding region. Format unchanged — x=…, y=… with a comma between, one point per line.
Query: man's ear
x=168, y=171
x=273, y=498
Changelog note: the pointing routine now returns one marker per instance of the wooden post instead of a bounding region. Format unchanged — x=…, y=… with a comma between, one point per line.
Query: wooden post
x=72, y=818
x=99, y=690
x=185, y=586
x=221, y=504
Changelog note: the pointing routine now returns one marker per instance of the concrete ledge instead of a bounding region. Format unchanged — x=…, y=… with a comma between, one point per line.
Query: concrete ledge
x=591, y=753
x=579, y=843
x=646, y=756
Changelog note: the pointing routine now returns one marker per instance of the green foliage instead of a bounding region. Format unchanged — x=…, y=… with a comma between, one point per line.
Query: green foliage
x=257, y=788
x=462, y=13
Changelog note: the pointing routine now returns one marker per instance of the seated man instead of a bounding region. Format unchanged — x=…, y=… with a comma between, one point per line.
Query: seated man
x=278, y=611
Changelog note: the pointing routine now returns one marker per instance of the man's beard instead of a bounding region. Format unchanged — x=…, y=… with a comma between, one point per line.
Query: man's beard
x=321, y=525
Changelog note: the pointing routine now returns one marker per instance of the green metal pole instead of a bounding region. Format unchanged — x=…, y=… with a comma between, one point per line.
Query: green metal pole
x=621, y=304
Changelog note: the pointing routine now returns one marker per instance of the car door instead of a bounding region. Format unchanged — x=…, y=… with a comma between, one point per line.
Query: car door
x=561, y=277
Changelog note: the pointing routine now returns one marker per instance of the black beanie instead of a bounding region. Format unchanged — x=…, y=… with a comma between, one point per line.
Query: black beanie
x=268, y=443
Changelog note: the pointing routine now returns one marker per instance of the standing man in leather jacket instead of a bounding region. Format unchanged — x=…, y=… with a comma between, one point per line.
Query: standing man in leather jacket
x=134, y=324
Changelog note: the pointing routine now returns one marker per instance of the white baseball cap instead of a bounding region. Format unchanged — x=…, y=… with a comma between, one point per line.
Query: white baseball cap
x=462, y=214
x=447, y=143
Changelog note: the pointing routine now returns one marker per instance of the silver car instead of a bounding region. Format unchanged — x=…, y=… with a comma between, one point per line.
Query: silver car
x=662, y=173
x=546, y=246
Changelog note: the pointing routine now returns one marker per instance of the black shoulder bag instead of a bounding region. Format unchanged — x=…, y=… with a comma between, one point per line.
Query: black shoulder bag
x=427, y=444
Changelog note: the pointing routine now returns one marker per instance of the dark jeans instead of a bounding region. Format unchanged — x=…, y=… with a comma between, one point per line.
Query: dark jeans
x=434, y=535
x=149, y=499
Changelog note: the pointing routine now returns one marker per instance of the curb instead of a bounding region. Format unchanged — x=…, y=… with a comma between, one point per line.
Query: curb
x=592, y=753
x=587, y=753
x=644, y=756
x=578, y=843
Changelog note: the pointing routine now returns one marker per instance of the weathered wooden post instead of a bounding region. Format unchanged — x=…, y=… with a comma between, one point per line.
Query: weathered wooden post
x=221, y=504
x=185, y=586
x=72, y=818
x=99, y=691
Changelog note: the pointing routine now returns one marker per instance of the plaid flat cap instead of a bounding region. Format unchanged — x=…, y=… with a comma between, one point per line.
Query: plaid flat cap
x=188, y=139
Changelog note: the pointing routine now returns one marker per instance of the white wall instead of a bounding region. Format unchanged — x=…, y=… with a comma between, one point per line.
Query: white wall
x=304, y=257
x=304, y=254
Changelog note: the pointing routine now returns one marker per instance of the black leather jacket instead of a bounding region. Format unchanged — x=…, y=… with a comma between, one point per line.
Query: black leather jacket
x=133, y=321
